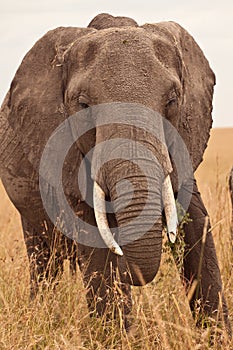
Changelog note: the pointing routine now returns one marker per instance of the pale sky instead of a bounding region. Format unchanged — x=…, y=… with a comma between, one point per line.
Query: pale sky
x=22, y=22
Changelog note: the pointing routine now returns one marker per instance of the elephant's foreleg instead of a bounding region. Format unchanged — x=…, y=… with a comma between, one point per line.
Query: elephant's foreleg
x=201, y=264
x=44, y=262
x=106, y=294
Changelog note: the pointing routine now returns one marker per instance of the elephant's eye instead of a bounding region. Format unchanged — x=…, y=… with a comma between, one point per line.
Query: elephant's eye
x=173, y=97
x=83, y=105
x=172, y=101
x=171, y=108
x=82, y=101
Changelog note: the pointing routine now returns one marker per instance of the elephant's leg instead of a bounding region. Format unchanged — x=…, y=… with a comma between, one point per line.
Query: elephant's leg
x=44, y=263
x=208, y=292
x=106, y=294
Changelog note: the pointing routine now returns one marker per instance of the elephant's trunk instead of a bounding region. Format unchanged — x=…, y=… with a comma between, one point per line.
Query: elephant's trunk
x=137, y=204
x=130, y=166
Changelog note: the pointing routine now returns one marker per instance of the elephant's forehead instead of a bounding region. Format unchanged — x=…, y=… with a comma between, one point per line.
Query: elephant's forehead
x=123, y=59
x=122, y=44
x=133, y=35
x=120, y=39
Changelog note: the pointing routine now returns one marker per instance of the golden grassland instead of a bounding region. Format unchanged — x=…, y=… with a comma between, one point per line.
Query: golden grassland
x=162, y=319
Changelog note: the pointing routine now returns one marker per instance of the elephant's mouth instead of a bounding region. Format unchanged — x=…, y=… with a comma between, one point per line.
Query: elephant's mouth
x=102, y=221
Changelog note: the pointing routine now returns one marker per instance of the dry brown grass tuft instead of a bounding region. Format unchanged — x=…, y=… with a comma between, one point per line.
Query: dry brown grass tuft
x=161, y=315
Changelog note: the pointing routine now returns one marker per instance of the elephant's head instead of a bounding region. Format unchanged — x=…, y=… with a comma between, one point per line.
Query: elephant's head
x=115, y=63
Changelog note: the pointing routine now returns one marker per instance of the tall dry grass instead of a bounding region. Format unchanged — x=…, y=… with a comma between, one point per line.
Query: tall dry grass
x=161, y=315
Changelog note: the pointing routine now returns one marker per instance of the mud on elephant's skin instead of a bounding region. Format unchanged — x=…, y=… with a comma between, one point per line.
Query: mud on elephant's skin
x=113, y=60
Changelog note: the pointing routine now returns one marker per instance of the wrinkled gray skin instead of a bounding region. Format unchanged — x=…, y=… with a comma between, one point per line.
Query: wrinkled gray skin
x=113, y=60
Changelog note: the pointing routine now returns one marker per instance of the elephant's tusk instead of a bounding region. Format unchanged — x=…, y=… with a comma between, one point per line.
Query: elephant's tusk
x=170, y=209
x=101, y=219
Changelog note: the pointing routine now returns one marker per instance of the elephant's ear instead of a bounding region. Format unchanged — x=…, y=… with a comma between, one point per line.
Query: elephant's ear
x=35, y=105
x=10, y=142
x=198, y=82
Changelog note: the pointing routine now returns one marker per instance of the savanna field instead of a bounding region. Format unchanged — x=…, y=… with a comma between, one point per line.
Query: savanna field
x=161, y=315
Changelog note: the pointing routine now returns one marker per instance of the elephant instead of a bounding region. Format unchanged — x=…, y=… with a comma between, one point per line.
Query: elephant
x=116, y=64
